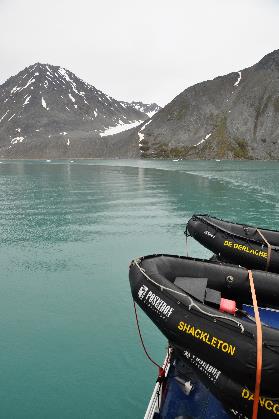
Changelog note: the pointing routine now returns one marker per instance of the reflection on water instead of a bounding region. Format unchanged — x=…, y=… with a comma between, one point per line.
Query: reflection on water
x=68, y=232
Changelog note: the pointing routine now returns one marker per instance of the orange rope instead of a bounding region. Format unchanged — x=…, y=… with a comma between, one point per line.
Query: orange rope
x=269, y=247
x=259, y=347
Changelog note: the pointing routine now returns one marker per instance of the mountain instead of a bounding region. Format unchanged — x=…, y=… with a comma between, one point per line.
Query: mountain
x=47, y=111
x=149, y=109
x=235, y=116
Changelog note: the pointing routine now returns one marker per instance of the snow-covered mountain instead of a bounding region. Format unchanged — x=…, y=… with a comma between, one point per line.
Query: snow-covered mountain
x=149, y=108
x=46, y=111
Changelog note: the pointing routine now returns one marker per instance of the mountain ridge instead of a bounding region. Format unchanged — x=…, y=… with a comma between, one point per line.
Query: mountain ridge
x=235, y=116
x=47, y=111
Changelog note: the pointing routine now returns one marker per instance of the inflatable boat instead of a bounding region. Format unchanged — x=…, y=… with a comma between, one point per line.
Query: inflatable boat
x=198, y=306
x=244, y=245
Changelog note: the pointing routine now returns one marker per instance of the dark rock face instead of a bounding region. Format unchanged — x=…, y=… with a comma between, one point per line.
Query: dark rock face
x=46, y=111
x=231, y=117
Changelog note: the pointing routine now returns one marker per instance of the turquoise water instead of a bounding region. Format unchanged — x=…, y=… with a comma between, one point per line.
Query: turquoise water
x=68, y=344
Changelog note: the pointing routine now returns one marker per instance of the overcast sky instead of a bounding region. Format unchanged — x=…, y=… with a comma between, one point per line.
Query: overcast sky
x=148, y=50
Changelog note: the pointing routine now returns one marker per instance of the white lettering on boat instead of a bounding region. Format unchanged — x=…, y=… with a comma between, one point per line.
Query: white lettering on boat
x=155, y=302
x=211, y=372
x=207, y=233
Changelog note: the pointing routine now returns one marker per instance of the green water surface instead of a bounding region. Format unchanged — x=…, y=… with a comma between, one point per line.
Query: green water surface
x=68, y=344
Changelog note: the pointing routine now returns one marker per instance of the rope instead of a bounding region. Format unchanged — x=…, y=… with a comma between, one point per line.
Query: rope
x=259, y=347
x=187, y=235
x=142, y=342
x=269, y=247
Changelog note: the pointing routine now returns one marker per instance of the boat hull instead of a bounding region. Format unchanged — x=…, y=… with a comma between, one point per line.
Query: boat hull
x=235, y=243
x=224, y=341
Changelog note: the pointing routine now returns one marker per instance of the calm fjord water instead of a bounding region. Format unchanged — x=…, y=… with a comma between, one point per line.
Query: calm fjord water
x=68, y=344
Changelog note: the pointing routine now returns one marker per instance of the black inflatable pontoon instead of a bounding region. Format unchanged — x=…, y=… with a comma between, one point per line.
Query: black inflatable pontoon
x=237, y=243
x=183, y=297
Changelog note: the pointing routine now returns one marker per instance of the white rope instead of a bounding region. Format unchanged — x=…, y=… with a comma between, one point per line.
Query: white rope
x=192, y=304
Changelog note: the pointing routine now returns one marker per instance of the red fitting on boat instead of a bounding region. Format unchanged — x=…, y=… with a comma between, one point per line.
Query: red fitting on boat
x=227, y=306
x=161, y=375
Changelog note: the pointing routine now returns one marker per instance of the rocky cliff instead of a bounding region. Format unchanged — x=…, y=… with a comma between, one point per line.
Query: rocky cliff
x=235, y=116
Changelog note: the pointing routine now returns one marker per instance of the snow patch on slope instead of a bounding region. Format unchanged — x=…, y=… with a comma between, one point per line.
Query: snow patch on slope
x=150, y=114
x=11, y=117
x=141, y=138
x=44, y=104
x=238, y=80
x=119, y=128
x=143, y=127
x=203, y=140
x=27, y=100
x=17, y=140
x=4, y=115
